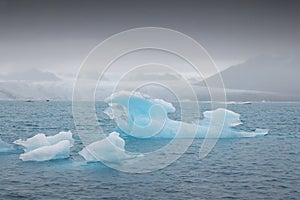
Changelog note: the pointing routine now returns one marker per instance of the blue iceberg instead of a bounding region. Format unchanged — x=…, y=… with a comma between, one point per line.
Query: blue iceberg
x=139, y=115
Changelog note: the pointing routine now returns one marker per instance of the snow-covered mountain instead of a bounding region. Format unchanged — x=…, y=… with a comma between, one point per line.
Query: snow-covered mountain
x=263, y=77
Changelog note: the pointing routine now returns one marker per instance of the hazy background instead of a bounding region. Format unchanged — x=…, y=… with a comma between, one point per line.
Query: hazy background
x=42, y=43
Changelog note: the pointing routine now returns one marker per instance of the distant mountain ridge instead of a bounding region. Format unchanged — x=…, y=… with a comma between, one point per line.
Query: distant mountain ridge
x=278, y=76
x=260, y=78
x=30, y=75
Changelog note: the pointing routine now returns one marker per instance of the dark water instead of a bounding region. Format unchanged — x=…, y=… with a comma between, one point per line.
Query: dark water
x=248, y=168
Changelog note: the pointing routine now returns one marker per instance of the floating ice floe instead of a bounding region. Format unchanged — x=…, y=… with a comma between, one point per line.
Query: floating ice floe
x=237, y=102
x=139, y=115
x=109, y=150
x=59, y=150
x=42, y=148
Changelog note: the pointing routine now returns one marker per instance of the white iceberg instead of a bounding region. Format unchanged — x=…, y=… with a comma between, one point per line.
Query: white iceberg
x=109, y=150
x=42, y=148
x=41, y=140
x=59, y=150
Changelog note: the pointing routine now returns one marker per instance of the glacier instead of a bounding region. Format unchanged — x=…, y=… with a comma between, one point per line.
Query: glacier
x=42, y=148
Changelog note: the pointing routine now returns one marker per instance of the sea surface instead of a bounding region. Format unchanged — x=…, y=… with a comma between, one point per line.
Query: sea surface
x=265, y=167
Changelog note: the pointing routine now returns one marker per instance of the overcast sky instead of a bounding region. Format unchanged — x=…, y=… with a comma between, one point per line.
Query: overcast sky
x=56, y=36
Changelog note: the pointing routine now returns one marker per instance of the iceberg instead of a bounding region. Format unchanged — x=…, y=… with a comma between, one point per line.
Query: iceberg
x=230, y=125
x=59, y=150
x=237, y=103
x=109, y=150
x=42, y=148
x=5, y=147
x=41, y=140
x=139, y=115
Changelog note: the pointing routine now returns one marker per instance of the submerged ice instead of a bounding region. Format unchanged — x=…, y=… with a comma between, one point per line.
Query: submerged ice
x=42, y=148
x=5, y=147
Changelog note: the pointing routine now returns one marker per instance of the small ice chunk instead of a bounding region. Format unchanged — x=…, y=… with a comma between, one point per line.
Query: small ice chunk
x=41, y=140
x=111, y=149
x=257, y=132
x=231, y=118
x=59, y=150
x=41, y=147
